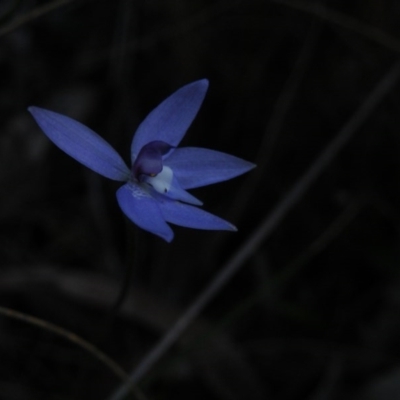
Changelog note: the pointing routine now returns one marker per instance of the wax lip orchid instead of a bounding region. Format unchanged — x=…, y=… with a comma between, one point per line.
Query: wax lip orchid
x=155, y=189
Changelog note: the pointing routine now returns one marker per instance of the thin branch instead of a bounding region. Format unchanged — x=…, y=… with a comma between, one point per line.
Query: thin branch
x=8, y=13
x=72, y=337
x=277, y=282
x=331, y=233
x=294, y=267
x=265, y=229
x=345, y=21
x=274, y=126
x=35, y=13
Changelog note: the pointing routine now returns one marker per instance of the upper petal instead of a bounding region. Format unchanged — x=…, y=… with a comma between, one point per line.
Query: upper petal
x=143, y=210
x=170, y=120
x=191, y=217
x=195, y=167
x=81, y=143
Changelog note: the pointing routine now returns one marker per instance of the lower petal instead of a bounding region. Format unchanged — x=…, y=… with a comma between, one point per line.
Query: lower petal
x=166, y=183
x=182, y=214
x=143, y=210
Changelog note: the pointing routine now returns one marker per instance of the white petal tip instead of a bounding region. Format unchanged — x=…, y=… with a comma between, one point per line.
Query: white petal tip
x=233, y=228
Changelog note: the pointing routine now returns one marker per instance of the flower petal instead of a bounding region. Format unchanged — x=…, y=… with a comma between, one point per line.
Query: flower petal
x=143, y=210
x=170, y=120
x=81, y=143
x=166, y=184
x=194, y=167
x=182, y=214
x=177, y=193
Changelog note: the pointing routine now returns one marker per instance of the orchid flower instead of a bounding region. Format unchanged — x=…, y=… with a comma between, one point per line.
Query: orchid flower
x=155, y=189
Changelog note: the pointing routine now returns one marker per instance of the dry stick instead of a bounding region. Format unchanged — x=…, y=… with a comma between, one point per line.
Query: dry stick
x=289, y=271
x=72, y=337
x=35, y=13
x=265, y=228
x=369, y=31
x=272, y=130
x=7, y=14
x=274, y=126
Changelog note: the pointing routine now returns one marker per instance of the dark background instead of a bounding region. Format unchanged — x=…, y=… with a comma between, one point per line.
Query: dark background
x=314, y=313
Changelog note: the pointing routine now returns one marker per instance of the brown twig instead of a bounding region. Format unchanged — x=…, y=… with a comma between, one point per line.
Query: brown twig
x=71, y=337
x=35, y=13
x=345, y=21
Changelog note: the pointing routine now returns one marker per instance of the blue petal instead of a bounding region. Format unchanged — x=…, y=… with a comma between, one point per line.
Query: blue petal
x=182, y=214
x=177, y=193
x=170, y=120
x=81, y=143
x=143, y=210
x=194, y=167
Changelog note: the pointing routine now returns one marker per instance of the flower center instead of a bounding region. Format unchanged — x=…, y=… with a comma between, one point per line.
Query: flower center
x=148, y=171
x=161, y=182
x=149, y=161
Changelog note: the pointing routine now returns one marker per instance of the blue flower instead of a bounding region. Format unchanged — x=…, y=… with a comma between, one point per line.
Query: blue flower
x=155, y=187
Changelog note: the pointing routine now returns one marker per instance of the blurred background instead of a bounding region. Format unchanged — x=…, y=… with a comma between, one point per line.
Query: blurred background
x=314, y=313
